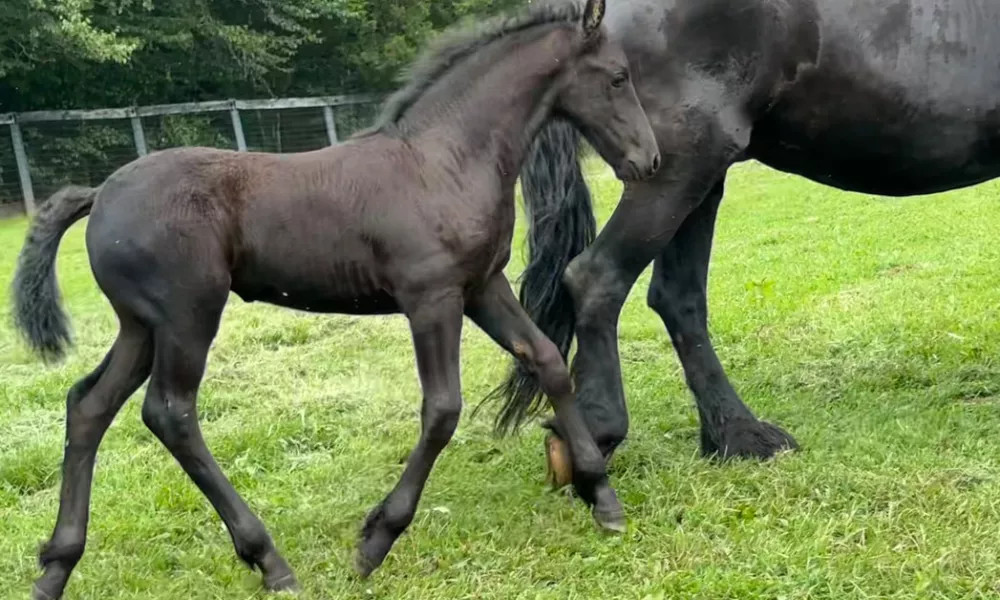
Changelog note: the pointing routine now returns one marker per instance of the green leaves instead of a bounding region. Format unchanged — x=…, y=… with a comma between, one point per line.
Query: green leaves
x=93, y=53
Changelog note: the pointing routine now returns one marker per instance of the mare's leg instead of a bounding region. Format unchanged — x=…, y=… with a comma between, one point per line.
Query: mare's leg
x=436, y=327
x=677, y=293
x=698, y=145
x=182, y=342
x=502, y=317
x=91, y=406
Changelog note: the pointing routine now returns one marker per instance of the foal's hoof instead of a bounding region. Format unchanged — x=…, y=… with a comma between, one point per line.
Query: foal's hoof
x=363, y=565
x=560, y=465
x=38, y=593
x=285, y=583
x=278, y=576
x=51, y=584
x=375, y=543
x=370, y=555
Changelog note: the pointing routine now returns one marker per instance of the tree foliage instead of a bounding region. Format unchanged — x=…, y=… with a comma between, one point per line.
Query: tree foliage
x=95, y=53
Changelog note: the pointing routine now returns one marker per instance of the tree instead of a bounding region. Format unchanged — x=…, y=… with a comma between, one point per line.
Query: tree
x=91, y=53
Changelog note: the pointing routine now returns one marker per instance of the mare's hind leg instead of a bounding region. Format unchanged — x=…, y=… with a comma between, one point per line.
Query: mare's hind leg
x=502, y=317
x=91, y=406
x=182, y=342
x=677, y=293
x=436, y=327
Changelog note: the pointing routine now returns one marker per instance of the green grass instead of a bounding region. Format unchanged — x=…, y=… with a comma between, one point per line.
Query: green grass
x=868, y=327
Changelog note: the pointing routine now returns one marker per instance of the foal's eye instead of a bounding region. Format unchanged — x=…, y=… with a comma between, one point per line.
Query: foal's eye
x=619, y=80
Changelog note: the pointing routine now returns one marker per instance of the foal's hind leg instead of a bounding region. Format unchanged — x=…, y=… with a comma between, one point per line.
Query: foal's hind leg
x=91, y=406
x=182, y=344
x=502, y=317
x=436, y=326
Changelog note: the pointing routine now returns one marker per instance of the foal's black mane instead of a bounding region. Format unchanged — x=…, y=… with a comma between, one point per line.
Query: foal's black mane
x=458, y=43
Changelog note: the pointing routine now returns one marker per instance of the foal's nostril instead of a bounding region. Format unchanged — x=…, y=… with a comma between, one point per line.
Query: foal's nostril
x=656, y=164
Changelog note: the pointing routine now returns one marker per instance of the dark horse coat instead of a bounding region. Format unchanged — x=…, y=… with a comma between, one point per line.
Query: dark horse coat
x=877, y=96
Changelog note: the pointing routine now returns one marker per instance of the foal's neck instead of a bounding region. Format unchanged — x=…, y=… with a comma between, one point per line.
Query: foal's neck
x=492, y=106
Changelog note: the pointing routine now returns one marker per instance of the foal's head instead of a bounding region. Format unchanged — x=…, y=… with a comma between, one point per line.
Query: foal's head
x=596, y=95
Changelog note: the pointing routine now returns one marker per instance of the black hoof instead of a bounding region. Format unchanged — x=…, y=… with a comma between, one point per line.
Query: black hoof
x=284, y=583
x=363, y=565
x=748, y=438
x=613, y=521
x=371, y=553
x=278, y=576
x=37, y=593
x=50, y=585
x=608, y=511
x=377, y=539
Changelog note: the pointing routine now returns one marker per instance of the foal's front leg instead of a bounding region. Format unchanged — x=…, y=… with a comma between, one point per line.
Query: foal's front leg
x=436, y=327
x=502, y=317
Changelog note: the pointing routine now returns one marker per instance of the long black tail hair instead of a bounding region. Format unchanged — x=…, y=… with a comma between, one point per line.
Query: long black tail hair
x=37, y=311
x=561, y=224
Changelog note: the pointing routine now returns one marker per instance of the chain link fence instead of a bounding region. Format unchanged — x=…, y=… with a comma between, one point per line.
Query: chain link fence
x=43, y=151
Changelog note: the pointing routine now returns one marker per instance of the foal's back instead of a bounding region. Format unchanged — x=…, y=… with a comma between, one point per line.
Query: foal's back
x=333, y=230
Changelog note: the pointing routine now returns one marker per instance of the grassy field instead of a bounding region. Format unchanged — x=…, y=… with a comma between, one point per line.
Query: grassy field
x=868, y=327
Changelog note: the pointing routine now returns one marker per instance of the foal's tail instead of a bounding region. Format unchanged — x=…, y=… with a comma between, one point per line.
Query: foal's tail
x=560, y=225
x=37, y=312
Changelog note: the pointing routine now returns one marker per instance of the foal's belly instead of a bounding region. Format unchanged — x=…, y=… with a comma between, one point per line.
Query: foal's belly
x=324, y=286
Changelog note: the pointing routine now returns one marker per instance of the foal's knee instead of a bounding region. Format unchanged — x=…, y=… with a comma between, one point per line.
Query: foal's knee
x=553, y=375
x=441, y=416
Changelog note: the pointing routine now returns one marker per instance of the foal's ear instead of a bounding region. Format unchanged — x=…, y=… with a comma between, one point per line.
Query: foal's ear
x=593, y=14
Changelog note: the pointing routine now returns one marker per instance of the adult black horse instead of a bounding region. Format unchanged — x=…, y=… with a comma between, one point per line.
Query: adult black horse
x=891, y=97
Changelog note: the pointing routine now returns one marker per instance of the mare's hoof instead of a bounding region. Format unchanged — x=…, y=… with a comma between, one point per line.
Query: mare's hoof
x=560, y=466
x=751, y=439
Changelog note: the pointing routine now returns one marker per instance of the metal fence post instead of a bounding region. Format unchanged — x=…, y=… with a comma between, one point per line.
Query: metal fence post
x=234, y=114
x=23, y=171
x=331, y=125
x=138, y=135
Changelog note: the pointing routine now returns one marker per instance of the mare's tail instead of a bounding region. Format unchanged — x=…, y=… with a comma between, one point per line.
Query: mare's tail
x=37, y=312
x=561, y=224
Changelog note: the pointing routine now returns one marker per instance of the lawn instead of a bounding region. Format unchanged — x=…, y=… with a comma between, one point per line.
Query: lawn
x=868, y=327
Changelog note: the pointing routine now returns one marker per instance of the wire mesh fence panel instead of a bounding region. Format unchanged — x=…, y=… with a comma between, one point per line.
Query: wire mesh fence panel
x=10, y=182
x=84, y=147
x=75, y=152
x=212, y=129
x=284, y=130
x=351, y=118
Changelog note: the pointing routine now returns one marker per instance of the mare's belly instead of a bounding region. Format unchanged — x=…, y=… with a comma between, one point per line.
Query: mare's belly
x=904, y=99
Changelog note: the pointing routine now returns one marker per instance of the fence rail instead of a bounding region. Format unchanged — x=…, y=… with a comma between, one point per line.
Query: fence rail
x=47, y=149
